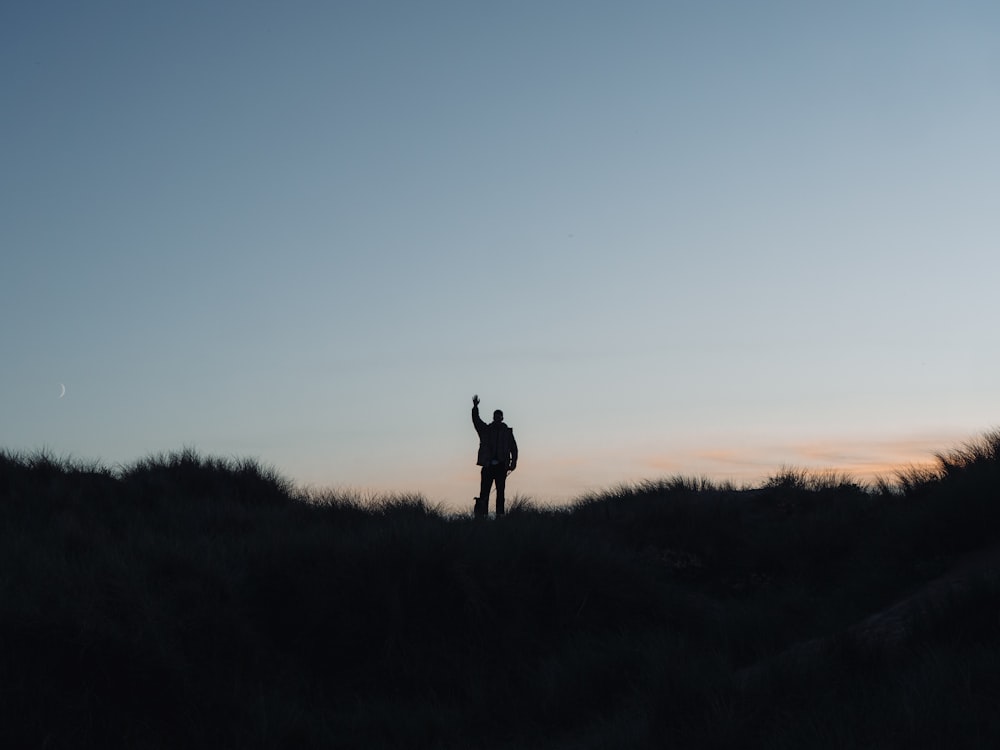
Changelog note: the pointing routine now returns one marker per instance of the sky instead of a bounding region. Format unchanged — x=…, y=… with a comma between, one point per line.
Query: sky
x=698, y=238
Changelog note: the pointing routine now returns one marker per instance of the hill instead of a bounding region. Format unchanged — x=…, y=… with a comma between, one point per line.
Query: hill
x=195, y=602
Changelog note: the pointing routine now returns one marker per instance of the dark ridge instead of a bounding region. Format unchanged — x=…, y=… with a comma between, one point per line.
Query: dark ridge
x=185, y=601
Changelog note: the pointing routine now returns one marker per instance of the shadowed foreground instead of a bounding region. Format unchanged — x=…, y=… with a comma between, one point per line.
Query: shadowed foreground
x=194, y=602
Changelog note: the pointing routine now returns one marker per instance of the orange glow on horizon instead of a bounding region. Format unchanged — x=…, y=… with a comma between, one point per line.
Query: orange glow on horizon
x=865, y=459
x=561, y=478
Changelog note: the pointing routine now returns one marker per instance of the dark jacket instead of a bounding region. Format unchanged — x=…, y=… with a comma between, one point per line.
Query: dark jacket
x=496, y=442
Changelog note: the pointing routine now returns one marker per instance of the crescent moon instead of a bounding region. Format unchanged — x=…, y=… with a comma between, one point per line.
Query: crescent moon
x=63, y=387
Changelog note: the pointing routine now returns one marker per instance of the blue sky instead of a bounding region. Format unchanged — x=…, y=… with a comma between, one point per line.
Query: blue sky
x=705, y=238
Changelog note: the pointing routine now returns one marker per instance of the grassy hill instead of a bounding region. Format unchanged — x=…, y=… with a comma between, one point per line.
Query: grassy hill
x=196, y=602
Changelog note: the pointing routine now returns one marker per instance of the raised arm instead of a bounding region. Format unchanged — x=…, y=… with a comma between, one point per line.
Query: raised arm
x=478, y=423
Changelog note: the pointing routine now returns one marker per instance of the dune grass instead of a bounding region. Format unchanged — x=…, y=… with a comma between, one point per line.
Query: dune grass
x=187, y=601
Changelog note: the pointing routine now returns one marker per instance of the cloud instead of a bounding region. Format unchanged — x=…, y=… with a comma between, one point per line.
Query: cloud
x=862, y=457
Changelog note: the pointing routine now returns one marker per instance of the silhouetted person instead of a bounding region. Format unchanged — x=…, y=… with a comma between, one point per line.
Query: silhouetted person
x=497, y=456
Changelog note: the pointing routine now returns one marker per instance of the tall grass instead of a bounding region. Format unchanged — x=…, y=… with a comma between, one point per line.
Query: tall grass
x=205, y=602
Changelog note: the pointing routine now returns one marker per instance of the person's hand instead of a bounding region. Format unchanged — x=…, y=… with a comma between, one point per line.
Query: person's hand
x=475, y=400
x=512, y=467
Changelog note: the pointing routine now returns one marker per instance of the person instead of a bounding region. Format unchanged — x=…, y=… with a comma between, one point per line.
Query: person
x=497, y=456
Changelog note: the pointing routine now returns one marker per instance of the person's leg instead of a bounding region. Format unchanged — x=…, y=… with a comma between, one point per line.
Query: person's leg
x=483, y=501
x=501, y=479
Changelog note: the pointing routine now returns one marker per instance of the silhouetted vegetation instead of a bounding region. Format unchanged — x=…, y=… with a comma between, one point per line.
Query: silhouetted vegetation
x=186, y=601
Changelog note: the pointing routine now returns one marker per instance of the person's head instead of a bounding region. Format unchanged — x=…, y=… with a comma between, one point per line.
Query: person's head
x=498, y=416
